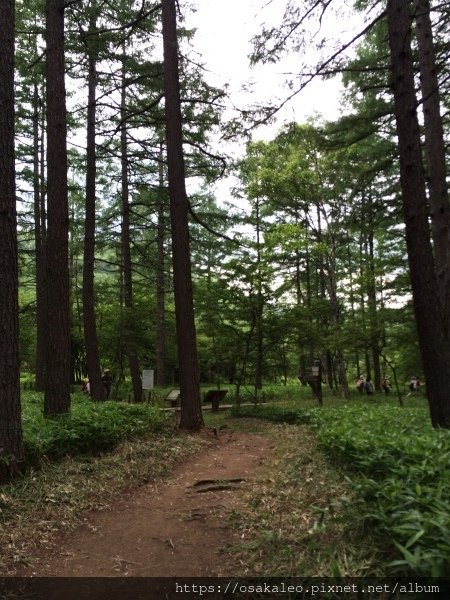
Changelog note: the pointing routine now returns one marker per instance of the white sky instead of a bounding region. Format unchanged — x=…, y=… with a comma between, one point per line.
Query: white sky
x=224, y=30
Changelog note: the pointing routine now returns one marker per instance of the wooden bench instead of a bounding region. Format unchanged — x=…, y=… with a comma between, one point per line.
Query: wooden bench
x=214, y=396
x=174, y=398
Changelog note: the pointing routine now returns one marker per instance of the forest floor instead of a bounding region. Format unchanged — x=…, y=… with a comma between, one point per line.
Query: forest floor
x=256, y=499
x=178, y=526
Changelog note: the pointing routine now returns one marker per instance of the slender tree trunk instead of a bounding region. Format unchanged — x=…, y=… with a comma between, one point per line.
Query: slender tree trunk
x=309, y=295
x=191, y=411
x=57, y=385
x=329, y=368
x=436, y=155
x=76, y=351
x=133, y=360
x=39, y=245
x=259, y=305
x=328, y=360
x=433, y=344
x=352, y=305
x=342, y=375
x=372, y=297
x=97, y=389
x=160, y=279
x=362, y=275
x=338, y=368
x=11, y=447
x=302, y=357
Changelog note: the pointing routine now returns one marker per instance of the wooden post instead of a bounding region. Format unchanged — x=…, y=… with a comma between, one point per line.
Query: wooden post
x=315, y=381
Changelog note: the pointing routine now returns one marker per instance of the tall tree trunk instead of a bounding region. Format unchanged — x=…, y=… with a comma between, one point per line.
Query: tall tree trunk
x=11, y=447
x=191, y=411
x=39, y=245
x=352, y=303
x=302, y=357
x=436, y=156
x=259, y=305
x=328, y=359
x=362, y=275
x=160, y=279
x=372, y=296
x=342, y=375
x=57, y=384
x=97, y=389
x=77, y=351
x=337, y=369
x=133, y=360
x=309, y=295
x=433, y=344
x=328, y=362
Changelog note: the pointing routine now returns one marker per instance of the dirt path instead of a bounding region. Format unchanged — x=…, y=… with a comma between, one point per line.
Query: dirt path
x=176, y=527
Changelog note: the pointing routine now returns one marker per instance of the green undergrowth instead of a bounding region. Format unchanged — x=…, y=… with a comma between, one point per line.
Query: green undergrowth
x=398, y=466
x=297, y=518
x=90, y=428
x=56, y=498
x=270, y=392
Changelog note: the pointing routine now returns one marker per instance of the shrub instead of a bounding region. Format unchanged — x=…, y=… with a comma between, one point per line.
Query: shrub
x=276, y=414
x=399, y=466
x=404, y=476
x=90, y=428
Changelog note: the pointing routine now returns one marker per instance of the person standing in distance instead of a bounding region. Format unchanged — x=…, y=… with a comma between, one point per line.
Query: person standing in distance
x=107, y=382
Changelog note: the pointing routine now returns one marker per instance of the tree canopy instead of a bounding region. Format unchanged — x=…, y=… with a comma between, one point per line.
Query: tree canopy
x=333, y=248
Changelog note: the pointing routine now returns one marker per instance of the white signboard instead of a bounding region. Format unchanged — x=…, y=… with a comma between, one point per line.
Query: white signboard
x=315, y=371
x=147, y=379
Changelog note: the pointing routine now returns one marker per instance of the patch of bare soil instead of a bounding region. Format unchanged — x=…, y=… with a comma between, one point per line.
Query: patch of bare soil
x=175, y=527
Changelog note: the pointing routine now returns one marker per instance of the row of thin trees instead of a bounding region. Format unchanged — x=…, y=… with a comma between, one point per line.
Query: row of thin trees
x=400, y=74
x=124, y=94
x=52, y=228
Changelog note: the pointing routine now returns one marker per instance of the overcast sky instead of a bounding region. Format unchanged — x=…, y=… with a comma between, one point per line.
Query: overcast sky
x=224, y=30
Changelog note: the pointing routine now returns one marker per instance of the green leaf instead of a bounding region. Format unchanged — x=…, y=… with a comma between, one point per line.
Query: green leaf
x=413, y=539
x=410, y=558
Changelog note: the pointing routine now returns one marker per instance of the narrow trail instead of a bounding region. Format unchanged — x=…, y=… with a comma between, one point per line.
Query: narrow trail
x=174, y=527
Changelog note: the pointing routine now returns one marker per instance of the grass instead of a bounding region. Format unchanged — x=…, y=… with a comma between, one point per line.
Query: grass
x=91, y=427
x=80, y=462
x=293, y=391
x=53, y=499
x=299, y=513
x=399, y=468
x=359, y=488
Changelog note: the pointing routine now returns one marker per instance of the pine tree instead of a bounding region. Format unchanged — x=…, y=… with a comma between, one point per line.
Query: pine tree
x=11, y=447
x=191, y=413
x=434, y=345
x=57, y=384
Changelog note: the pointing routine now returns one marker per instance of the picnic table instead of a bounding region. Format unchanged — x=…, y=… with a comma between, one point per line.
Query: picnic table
x=174, y=397
x=214, y=396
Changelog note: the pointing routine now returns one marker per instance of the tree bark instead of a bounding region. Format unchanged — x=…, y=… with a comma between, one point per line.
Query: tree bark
x=259, y=327
x=362, y=302
x=97, y=389
x=436, y=156
x=133, y=360
x=302, y=357
x=11, y=447
x=39, y=245
x=337, y=368
x=372, y=297
x=160, y=280
x=57, y=384
x=433, y=344
x=191, y=412
x=309, y=302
